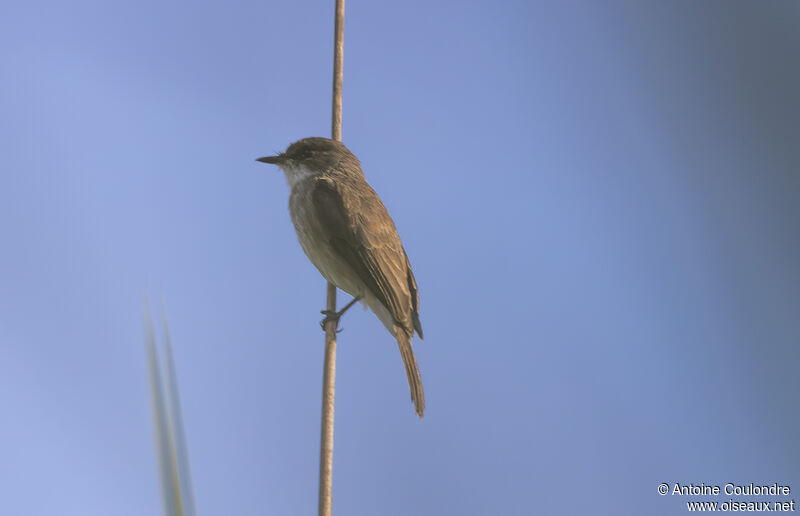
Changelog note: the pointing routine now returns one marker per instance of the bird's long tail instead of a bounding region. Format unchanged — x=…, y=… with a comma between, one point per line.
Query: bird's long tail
x=412, y=371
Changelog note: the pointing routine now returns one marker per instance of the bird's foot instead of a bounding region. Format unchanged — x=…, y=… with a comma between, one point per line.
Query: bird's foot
x=330, y=316
x=335, y=316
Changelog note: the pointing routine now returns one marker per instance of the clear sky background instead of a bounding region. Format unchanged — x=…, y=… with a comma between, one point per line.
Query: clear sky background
x=600, y=201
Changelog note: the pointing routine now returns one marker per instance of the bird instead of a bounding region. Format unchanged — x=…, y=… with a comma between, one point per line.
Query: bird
x=349, y=236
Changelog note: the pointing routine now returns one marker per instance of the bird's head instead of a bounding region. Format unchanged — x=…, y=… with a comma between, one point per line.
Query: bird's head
x=314, y=156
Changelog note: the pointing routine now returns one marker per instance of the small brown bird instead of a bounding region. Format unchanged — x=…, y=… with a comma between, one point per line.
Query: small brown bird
x=348, y=235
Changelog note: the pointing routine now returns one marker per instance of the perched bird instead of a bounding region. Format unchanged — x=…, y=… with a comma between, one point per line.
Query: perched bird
x=350, y=238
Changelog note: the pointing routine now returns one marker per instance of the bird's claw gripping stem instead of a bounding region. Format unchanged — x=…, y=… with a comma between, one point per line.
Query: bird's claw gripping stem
x=335, y=316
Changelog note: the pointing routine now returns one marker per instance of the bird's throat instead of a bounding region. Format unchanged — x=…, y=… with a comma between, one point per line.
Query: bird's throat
x=297, y=173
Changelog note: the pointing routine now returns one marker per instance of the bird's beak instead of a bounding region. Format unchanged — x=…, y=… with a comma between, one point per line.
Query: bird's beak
x=271, y=159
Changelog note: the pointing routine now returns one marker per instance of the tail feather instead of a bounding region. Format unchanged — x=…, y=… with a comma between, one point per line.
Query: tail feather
x=412, y=371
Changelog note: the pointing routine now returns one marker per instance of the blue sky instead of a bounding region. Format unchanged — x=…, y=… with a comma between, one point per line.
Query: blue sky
x=600, y=203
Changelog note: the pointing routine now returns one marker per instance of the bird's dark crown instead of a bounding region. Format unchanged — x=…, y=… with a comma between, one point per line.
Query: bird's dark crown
x=313, y=147
x=321, y=152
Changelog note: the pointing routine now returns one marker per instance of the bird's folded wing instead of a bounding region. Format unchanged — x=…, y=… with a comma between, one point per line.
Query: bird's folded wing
x=362, y=232
x=412, y=287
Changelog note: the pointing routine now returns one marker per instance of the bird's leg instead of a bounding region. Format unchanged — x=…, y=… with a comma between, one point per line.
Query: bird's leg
x=335, y=316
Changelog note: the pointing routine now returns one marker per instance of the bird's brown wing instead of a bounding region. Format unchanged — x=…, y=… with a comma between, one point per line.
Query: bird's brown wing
x=362, y=232
x=412, y=287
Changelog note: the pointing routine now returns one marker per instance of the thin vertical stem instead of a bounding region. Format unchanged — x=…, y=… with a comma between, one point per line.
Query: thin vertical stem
x=329, y=372
x=326, y=433
x=338, y=60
